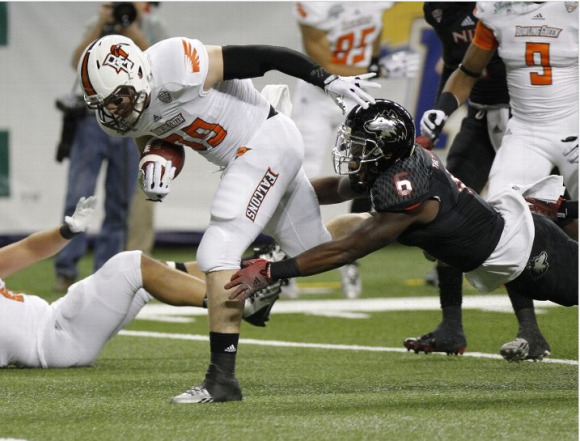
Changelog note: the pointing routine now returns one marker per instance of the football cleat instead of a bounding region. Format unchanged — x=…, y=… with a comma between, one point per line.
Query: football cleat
x=445, y=340
x=516, y=350
x=534, y=348
x=351, y=281
x=216, y=388
x=257, y=308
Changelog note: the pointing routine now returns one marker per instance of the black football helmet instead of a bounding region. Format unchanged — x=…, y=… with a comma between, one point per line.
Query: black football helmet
x=377, y=136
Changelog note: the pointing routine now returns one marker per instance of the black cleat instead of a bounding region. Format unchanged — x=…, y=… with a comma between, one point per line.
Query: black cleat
x=440, y=340
x=216, y=388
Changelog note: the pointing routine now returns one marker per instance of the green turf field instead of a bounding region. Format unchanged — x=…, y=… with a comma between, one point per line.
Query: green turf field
x=345, y=377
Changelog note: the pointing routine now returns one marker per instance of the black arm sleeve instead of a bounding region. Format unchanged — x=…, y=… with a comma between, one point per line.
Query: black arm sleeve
x=255, y=60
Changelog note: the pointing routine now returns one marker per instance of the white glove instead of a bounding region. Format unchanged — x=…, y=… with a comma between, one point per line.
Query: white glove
x=401, y=64
x=156, y=180
x=81, y=218
x=432, y=123
x=351, y=87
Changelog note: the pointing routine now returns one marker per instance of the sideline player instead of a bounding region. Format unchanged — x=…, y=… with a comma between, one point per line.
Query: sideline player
x=187, y=93
x=419, y=203
x=345, y=39
x=73, y=330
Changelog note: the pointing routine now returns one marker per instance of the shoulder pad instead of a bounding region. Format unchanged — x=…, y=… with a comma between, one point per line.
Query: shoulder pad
x=405, y=184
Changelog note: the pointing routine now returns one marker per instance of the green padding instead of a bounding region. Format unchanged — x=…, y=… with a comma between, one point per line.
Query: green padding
x=3, y=23
x=4, y=165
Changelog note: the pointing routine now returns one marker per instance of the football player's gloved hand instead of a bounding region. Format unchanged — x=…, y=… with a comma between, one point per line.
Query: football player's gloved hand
x=254, y=276
x=571, y=150
x=156, y=180
x=81, y=218
x=432, y=123
x=350, y=87
x=401, y=64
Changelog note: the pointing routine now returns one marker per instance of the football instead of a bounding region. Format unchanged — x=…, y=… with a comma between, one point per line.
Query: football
x=158, y=150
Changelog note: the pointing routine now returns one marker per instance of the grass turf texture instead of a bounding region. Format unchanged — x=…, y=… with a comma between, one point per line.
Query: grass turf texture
x=300, y=393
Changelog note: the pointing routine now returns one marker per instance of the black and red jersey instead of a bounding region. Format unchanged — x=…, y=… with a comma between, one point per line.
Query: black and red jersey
x=466, y=229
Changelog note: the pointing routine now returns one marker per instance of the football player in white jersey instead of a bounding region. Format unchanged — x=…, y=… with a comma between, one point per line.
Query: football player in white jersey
x=538, y=43
x=344, y=38
x=201, y=97
x=73, y=330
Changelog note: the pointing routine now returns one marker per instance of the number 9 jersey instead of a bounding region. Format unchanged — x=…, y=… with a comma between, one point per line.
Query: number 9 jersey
x=539, y=46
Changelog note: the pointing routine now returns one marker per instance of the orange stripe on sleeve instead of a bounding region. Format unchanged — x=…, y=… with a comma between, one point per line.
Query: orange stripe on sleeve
x=484, y=38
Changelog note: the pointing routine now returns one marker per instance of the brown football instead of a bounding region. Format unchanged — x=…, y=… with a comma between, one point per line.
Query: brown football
x=157, y=150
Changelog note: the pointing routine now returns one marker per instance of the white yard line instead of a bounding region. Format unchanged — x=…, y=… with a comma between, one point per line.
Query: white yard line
x=288, y=344
x=352, y=309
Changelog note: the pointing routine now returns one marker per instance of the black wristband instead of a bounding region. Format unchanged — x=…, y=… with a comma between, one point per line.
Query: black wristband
x=66, y=232
x=284, y=269
x=447, y=102
x=468, y=72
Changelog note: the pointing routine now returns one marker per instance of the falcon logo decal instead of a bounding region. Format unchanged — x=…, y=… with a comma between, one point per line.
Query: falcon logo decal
x=538, y=265
x=118, y=59
x=191, y=56
x=386, y=126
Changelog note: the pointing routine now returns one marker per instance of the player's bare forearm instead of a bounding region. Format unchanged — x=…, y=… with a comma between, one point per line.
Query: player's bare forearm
x=333, y=190
x=474, y=62
x=372, y=234
x=28, y=251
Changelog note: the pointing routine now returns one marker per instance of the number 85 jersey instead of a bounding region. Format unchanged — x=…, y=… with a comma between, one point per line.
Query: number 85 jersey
x=539, y=46
x=216, y=122
x=351, y=27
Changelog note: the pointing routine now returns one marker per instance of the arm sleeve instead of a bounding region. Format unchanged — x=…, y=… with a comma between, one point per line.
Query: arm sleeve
x=484, y=38
x=255, y=60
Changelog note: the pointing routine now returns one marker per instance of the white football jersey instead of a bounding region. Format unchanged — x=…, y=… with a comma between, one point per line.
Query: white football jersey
x=352, y=27
x=539, y=46
x=21, y=317
x=215, y=123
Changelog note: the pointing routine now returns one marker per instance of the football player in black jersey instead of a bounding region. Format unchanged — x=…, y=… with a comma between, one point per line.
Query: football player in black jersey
x=417, y=202
x=469, y=159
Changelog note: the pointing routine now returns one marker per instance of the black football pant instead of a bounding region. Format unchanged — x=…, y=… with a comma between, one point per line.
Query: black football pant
x=552, y=270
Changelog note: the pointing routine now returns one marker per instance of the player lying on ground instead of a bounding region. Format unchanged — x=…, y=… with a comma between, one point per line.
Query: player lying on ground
x=73, y=330
x=419, y=203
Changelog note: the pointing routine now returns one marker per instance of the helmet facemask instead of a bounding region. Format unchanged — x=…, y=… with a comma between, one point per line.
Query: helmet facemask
x=351, y=152
x=128, y=105
x=115, y=76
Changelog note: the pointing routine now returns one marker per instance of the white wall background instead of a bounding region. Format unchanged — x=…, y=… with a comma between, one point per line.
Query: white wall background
x=35, y=69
